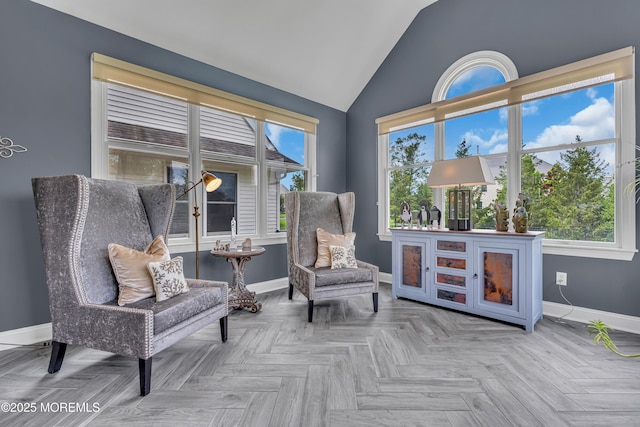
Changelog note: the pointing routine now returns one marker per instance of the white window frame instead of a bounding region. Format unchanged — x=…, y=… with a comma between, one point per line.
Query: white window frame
x=624, y=246
x=100, y=144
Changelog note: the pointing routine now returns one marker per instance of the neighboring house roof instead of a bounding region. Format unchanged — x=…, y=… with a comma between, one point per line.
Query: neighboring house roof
x=496, y=162
x=178, y=139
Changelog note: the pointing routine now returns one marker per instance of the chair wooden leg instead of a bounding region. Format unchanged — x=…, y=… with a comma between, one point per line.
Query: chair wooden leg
x=145, y=376
x=290, y=291
x=375, y=302
x=57, y=356
x=223, y=328
x=310, y=311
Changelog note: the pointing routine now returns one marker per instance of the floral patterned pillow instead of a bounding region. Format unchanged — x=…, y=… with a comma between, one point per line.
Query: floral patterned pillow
x=168, y=278
x=343, y=257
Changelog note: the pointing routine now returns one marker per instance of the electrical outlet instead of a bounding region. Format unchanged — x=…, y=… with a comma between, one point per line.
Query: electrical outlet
x=561, y=278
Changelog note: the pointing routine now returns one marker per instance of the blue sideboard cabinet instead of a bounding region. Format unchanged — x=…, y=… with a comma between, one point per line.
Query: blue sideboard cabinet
x=484, y=272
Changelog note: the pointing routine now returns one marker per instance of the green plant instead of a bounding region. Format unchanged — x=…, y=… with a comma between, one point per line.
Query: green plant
x=600, y=331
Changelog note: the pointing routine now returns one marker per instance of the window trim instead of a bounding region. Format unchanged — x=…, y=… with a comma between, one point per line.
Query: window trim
x=621, y=61
x=100, y=144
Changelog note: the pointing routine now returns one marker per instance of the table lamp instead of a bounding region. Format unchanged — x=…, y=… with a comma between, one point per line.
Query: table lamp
x=211, y=183
x=467, y=171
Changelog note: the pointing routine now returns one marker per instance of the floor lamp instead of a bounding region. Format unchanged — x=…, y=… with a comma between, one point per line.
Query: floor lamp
x=467, y=171
x=211, y=183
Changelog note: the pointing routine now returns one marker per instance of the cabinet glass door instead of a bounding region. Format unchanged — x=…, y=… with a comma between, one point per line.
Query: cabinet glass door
x=411, y=276
x=412, y=267
x=499, y=279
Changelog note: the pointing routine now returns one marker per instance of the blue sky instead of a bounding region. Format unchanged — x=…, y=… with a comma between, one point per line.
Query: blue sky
x=289, y=142
x=546, y=122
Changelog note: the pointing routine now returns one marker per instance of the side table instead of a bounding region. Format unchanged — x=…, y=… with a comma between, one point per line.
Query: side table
x=239, y=295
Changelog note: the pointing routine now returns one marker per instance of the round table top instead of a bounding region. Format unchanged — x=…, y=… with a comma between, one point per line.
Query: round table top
x=239, y=253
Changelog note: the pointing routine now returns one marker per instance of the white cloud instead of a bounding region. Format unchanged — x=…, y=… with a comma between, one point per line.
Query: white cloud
x=274, y=132
x=530, y=108
x=475, y=140
x=593, y=123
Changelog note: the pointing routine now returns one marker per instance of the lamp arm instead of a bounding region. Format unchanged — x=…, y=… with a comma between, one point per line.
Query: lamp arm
x=193, y=185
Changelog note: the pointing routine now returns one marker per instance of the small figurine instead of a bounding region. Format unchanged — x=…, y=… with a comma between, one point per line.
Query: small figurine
x=502, y=216
x=435, y=215
x=521, y=214
x=246, y=244
x=423, y=215
x=405, y=215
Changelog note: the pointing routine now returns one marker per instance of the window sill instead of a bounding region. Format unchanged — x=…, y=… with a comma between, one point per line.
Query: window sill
x=553, y=248
x=206, y=244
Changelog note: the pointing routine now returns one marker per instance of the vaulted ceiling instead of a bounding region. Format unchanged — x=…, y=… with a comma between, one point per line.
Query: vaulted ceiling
x=322, y=50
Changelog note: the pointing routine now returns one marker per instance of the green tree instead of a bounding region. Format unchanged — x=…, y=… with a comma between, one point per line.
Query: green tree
x=407, y=184
x=577, y=199
x=297, y=181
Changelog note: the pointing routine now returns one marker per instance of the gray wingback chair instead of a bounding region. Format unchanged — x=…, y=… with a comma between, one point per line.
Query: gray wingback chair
x=78, y=217
x=305, y=213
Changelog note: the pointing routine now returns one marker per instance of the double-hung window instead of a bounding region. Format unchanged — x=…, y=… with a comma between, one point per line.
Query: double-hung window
x=148, y=127
x=564, y=137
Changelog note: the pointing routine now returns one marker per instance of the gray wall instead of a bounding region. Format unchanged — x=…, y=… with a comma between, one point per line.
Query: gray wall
x=45, y=106
x=536, y=35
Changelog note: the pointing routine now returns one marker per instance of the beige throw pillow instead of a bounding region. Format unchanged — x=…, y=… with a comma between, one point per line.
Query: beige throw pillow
x=326, y=239
x=130, y=268
x=168, y=278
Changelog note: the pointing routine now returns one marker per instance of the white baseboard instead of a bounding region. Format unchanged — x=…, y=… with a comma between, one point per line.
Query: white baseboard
x=620, y=322
x=25, y=336
x=269, y=285
x=384, y=277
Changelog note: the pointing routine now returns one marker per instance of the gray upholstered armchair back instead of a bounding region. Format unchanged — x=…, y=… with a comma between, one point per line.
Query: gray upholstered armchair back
x=79, y=217
x=308, y=211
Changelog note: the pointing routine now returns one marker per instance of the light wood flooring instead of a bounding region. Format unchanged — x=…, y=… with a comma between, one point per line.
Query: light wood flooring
x=410, y=364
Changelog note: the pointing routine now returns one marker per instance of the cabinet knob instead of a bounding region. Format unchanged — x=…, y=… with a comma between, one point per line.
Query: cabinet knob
x=426, y=269
x=475, y=276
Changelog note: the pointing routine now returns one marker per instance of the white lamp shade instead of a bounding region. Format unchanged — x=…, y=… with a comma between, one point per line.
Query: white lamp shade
x=473, y=170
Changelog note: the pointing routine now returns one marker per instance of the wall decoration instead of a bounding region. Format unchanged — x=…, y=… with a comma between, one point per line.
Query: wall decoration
x=7, y=148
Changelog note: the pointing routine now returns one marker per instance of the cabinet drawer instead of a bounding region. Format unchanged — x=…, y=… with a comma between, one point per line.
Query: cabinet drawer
x=450, y=262
x=451, y=279
x=451, y=245
x=451, y=298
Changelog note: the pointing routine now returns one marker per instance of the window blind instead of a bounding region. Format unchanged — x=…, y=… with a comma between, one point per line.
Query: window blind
x=113, y=70
x=608, y=67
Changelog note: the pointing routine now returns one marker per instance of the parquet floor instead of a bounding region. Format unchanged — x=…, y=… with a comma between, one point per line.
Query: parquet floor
x=408, y=365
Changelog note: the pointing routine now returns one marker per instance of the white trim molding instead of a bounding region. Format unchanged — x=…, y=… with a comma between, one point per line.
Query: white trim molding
x=26, y=336
x=619, y=322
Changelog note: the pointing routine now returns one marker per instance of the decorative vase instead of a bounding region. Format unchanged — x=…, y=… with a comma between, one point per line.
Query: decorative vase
x=502, y=216
x=520, y=220
x=521, y=214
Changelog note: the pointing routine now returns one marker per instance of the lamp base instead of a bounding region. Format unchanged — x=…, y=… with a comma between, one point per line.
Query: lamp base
x=459, y=209
x=459, y=224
